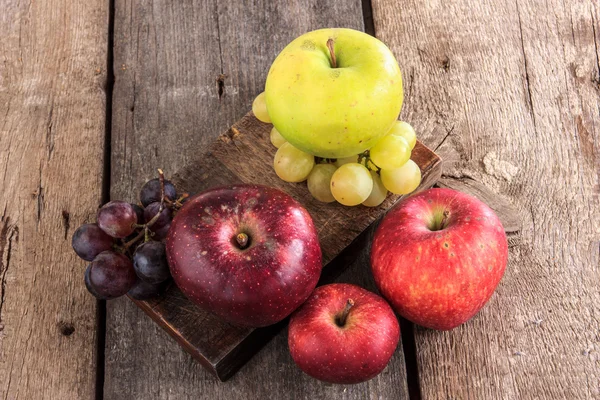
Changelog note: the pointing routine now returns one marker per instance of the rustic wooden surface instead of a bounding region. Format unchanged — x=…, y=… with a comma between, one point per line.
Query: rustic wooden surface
x=507, y=92
x=510, y=92
x=52, y=124
x=244, y=154
x=168, y=106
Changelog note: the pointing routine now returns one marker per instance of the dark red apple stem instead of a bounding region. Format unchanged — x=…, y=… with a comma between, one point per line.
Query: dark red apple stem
x=341, y=320
x=242, y=240
x=330, y=44
x=444, y=219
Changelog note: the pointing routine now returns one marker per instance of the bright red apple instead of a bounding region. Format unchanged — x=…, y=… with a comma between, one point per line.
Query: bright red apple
x=438, y=256
x=343, y=334
x=248, y=253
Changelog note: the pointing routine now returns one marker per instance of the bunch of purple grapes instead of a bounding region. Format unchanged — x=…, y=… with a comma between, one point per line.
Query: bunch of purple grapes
x=125, y=245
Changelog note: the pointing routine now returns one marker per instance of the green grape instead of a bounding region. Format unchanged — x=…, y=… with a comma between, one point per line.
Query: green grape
x=259, y=108
x=405, y=130
x=319, y=182
x=390, y=152
x=351, y=184
x=276, y=139
x=292, y=164
x=378, y=193
x=402, y=180
x=341, y=161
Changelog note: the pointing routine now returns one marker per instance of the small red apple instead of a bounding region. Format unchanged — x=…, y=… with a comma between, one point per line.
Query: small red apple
x=343, y=334
x=438, y=256
x=248, y=253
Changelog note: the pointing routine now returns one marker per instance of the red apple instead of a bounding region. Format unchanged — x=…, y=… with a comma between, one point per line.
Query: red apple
x=343, y=334
x=438, y=256
x=248, y=253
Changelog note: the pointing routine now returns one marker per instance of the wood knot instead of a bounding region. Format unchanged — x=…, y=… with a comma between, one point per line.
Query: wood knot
x=65, y=328
x=230, y=135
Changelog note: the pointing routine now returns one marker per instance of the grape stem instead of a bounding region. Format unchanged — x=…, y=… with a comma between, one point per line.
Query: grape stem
x=177, y=204
x=145, y=233
x=330, y=44
x=366, y=155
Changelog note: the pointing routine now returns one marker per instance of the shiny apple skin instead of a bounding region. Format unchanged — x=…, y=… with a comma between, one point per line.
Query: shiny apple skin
x=256, y=286
x=354, y=353
x=439, y=279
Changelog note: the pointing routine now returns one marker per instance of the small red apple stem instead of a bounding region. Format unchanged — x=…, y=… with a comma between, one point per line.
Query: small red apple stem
x=444, y=219
x=341, y=320
x=330, y=44
x=242, y=240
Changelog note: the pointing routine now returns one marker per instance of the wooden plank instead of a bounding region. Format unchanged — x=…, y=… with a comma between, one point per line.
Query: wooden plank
x=509, y=91
x=244, y=154
x=52, y=126
x=168, y=105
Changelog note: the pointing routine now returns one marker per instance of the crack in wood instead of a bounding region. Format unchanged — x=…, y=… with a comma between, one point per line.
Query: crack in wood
x=222, y=75
x=39, y=193
x=6, y=242
x=596, y=80
x=50, y=133
x=444, y=139
x=527, y=82
x=66, y=221
x=221, y=85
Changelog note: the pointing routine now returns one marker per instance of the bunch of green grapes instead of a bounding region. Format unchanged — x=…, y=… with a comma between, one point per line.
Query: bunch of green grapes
x=362, y=179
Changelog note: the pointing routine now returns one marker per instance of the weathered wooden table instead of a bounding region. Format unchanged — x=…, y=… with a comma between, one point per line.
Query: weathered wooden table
x=94, y=95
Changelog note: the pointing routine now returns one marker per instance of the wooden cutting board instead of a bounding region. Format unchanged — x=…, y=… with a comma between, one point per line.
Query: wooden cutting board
x=244, y=154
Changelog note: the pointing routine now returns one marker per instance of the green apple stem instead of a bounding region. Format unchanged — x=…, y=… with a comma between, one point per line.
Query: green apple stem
x=330, y=44
x=341, y=318
x=242, y=240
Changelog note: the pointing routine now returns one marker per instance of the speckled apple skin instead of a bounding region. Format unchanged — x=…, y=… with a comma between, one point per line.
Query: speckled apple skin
x=439, y=279
x=354, y=353
x=256, y=286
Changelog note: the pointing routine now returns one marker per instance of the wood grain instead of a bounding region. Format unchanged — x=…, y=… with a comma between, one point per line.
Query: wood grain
x=52, y=126
x=508, y=94
x=168, y=106
x=244, y=154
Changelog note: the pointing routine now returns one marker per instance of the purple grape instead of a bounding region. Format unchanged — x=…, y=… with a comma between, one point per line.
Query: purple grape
x=139, y=211
x=89, y=240
x=88, y=284
x=116, y=218
x=150, y=192
x=164, y=218
x=111, y=275
x=150, y=262
x=162, y=232
x=144, y=291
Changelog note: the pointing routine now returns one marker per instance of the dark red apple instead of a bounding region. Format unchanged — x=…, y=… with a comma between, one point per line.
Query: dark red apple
x=343, y=334
x=250, y=254
x=438, y=256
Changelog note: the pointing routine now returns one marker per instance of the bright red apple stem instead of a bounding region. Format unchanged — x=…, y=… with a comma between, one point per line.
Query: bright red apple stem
x=242, y=240
x=444, y=219
x=330, y=44
x=341, y=319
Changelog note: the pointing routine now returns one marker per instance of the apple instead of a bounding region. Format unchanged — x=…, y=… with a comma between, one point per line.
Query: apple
x=247, y=253
x=438, y=256
x=334, y=103
x=343, y=334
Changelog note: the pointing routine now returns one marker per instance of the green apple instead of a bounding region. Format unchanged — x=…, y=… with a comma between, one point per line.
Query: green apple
x=336, y=102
